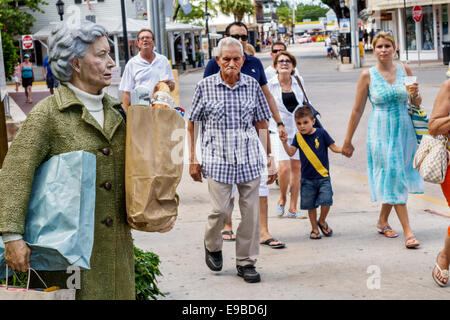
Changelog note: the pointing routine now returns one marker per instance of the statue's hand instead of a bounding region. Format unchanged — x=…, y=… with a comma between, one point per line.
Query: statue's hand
x=17, y=255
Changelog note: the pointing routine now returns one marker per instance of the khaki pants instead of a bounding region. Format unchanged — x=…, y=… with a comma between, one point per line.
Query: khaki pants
x=247, y=234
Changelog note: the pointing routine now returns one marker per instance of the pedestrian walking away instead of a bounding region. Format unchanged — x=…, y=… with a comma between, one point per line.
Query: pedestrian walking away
x=253, y=67
x=286, y=90
x=48, y=76
x=145, y=70
x=312, y=144
x=391, y=139
x=440, y=124
x=230, y=105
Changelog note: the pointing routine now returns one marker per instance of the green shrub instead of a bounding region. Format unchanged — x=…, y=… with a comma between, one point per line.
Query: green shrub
x=146, y=268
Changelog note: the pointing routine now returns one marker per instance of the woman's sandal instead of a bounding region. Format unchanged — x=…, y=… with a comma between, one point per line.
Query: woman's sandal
x=444, y=274
x=412, y=242
x=317, y=235
x=388, y=232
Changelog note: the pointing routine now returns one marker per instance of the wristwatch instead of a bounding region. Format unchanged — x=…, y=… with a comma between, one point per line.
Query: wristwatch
x=280, y=124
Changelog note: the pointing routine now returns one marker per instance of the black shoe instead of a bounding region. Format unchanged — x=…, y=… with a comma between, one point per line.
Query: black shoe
x=213, y=259
x=249, y=273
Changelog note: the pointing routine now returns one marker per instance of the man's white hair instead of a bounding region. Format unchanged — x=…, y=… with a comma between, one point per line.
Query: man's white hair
x=229, y=42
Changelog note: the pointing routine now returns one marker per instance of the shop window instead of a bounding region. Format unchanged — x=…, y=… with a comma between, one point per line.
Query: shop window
x=410, y=30
x=427, y=28
x=445, y=33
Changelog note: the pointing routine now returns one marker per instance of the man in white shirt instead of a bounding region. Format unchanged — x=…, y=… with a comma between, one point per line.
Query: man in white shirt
x=270, y=70
x=145, y=69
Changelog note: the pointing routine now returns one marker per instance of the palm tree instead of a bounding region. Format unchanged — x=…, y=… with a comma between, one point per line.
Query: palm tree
x=238, y=8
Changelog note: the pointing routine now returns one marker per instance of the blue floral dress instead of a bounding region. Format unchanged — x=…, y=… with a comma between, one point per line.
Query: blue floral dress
x=391, y=142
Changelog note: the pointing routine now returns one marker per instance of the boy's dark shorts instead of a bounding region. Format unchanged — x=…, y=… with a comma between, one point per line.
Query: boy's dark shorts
x=51, y=82
x=315, y=193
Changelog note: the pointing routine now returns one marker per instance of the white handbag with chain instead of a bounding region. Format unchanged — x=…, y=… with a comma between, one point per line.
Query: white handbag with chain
x=431, y=158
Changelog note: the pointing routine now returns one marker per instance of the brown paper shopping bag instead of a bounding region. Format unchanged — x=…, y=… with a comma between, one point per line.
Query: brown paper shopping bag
x=153, y=165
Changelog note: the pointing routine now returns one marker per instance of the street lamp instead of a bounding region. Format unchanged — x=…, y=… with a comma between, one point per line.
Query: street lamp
x=60, y=7
x=207, y=28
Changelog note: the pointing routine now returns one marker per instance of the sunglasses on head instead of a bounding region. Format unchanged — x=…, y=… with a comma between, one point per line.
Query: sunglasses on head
x=244, y=37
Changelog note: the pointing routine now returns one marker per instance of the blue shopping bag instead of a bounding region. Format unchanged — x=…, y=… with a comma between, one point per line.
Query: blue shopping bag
x=59, y=227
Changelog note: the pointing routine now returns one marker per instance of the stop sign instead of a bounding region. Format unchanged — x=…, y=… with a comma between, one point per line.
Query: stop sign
x=27, y=42
x=417, y=13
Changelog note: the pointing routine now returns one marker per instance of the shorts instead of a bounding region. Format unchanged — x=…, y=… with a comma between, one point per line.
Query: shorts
x=52, y=82
x=15, y=79
x=315, y=193
x=26, y=82
x=281, y=154
x=328, y=50
x=263, y=189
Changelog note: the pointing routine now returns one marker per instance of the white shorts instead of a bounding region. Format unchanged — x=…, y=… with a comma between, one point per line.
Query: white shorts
x=263, y=189
x=278, y=150
x=15, y=79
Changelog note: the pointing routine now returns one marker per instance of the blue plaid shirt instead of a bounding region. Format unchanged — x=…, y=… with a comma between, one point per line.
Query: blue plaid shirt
x=231, y=150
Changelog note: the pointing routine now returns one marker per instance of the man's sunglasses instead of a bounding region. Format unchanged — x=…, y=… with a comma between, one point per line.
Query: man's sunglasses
x=276, y=50
x=244, y=37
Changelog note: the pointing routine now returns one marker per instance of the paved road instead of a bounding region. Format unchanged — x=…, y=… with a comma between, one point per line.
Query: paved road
x=356, y=263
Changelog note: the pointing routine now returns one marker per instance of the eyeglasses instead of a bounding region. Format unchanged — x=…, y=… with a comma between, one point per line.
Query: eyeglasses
x=276, y=50
x=284, y=61
x=244, y=37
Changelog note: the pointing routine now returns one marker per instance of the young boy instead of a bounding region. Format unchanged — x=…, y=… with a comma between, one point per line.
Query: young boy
x=315, y=187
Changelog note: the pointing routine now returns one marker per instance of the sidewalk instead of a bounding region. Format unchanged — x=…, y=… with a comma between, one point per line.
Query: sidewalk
x=340, y=267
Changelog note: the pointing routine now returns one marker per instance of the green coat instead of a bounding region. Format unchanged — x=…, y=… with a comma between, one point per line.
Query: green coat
x=60, y=124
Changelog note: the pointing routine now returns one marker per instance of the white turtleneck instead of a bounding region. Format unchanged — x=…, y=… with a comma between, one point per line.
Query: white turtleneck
x=93, y=103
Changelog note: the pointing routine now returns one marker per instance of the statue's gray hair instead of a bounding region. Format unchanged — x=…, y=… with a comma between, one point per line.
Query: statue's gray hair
x=229, y=42
x=66, y=43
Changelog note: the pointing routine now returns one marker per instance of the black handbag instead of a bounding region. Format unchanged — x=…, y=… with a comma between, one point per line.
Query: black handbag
x=306, y=103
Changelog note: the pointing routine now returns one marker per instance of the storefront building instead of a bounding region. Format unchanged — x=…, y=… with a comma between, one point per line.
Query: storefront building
x=415, y=41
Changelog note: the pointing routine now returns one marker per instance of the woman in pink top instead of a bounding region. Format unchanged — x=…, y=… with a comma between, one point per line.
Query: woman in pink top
x=16, y=75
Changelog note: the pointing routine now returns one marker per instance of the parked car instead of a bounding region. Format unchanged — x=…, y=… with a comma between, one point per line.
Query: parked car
x=304, y=39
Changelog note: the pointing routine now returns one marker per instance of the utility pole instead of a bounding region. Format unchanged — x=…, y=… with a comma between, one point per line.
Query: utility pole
x=124, y=28
x=207, y=29
x=293, y=21
x=162, y=29
x=354, y=34
x=406, y=30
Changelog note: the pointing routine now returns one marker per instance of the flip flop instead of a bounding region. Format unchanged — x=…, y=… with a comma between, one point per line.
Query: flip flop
x=315, y=238
x=388, y=232
x=323, y=229
x=412, y=242
x=274, y=246
x=228, y=233
x=444, y=274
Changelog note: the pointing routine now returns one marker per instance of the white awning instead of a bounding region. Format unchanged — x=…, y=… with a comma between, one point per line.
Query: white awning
x=114, y=26
x=394, y=4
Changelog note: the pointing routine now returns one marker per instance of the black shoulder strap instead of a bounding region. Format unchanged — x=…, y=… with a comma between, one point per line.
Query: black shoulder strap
x=301, y=86
x=122, y=112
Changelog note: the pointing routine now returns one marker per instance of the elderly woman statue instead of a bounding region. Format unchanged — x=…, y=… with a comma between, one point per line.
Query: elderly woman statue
x=79, y=116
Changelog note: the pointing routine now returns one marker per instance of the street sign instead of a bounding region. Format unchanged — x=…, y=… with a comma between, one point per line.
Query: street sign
x=417, y=13
x=27, y=42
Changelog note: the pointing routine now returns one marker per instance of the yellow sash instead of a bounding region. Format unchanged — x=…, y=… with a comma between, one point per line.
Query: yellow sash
x=311, y=156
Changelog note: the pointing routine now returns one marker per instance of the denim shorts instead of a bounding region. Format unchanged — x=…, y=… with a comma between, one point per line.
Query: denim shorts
x=315, y=193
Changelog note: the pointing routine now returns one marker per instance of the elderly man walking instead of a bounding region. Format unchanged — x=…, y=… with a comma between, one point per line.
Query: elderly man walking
x=230, y=105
